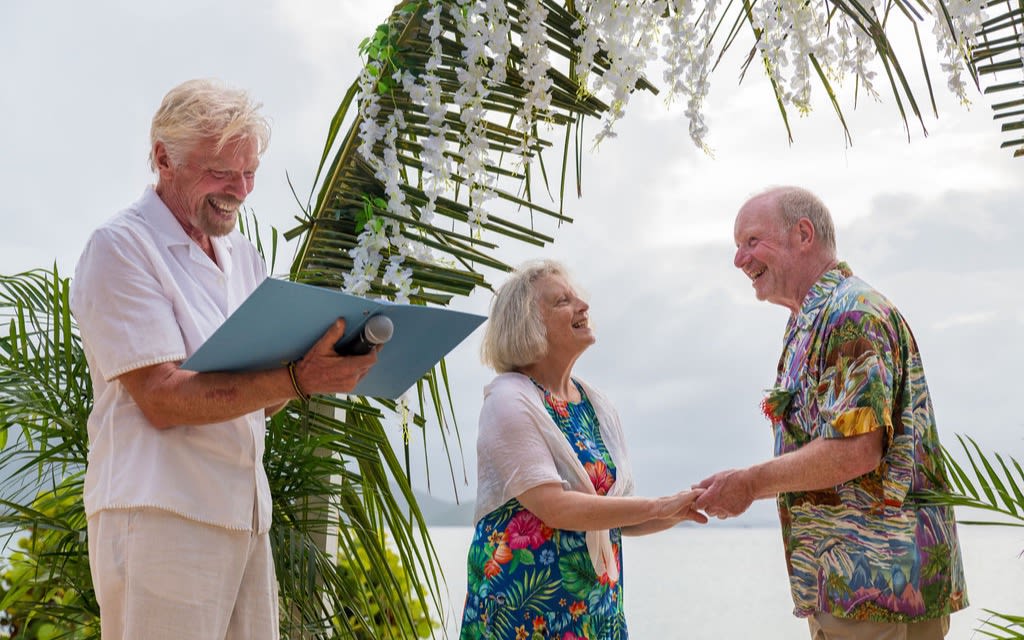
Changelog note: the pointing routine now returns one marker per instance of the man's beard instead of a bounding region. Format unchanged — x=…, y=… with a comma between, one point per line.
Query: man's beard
x=212, y=223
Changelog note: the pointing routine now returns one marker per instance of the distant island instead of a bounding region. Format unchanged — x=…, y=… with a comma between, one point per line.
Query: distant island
x=439, y=512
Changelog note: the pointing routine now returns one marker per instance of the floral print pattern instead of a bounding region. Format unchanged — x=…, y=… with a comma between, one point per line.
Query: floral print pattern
x=527, y=581
x=863, y=550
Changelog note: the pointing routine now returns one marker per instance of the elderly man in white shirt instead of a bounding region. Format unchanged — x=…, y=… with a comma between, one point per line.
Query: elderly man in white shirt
x=175, y=491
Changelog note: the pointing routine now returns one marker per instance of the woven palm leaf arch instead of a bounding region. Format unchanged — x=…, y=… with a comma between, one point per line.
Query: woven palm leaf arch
x=999, y=61
x=351, y=193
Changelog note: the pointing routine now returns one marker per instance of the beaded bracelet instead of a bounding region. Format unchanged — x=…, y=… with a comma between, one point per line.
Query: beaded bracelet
x=295, y=382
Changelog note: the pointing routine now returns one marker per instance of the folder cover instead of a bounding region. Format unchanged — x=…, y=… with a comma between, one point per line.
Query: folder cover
x=281, y=320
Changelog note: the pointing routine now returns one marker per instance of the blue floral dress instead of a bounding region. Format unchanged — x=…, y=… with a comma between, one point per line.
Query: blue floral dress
x=527, y=581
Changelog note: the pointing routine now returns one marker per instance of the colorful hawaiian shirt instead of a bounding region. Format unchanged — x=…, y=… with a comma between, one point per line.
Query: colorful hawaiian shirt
x=527, y=581
x=863, y=550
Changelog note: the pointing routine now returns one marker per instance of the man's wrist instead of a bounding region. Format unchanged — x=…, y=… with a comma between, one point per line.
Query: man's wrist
x=296, y=387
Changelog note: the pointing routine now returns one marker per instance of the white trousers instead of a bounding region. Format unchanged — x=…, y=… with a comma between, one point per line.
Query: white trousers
x=160, y=576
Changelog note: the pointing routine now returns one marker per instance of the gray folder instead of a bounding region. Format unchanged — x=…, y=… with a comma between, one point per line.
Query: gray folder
x=281, y=320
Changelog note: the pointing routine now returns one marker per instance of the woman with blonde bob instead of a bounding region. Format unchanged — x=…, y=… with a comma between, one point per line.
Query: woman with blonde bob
x=554, y=493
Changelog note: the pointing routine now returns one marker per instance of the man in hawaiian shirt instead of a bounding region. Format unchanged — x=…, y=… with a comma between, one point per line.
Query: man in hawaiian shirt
x=855, y=437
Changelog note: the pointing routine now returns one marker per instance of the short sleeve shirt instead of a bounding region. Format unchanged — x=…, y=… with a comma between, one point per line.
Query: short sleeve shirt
x=145, y=293
x=864, y=549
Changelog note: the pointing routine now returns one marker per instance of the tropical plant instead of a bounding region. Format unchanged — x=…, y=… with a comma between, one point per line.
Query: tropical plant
x=326, y=477
x=423, y=624
x=35, y=606
x=45, y=397
x=985, y=484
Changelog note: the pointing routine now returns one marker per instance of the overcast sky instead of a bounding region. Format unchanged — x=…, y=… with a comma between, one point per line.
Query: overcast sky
x=684, y=349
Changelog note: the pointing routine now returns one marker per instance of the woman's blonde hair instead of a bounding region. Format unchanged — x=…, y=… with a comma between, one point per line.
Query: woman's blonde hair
x=204, y=109
x=515, y=335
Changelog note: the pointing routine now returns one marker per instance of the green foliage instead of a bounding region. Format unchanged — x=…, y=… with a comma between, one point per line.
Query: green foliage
x=327, y=475
x=993, y=484
x=33, y=605
x=45, y=398
x=352, y=568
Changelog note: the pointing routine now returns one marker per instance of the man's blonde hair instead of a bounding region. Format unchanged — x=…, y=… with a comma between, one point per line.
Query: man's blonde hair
x=204, y=109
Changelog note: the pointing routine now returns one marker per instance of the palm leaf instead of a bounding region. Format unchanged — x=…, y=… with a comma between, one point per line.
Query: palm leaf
x=989, y=483
x=1001, y=53
x=45, y=399
x=352, y=193
x=326, y=476
x=350, y=185
x=1002, y=626
x=993, y=484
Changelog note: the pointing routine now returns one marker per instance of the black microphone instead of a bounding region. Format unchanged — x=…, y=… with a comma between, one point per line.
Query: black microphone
x=377, y=330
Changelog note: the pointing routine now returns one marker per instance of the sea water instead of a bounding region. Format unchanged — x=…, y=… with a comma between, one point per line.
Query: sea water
x=714, y=582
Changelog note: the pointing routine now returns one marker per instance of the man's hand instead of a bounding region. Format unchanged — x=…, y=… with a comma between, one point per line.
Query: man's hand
x=726, y=494
x=322, y=370
x=170, y=396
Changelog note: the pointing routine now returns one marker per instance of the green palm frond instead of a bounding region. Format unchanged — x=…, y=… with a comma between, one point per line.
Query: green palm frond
x=1002, y=626
x=350, y=192
x=328, y=477
x=1002, y=55
x=45, y=399
x=333, y=477
x=989, y=483
x=992, y=484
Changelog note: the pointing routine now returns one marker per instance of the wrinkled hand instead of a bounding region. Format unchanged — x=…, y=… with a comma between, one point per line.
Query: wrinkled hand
x=322, y=370
x=681, y=507
x=726, y=494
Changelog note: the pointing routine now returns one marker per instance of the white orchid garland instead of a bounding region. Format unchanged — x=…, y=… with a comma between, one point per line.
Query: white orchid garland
x=536, y=81
x=473, y=20
x=428, y=93
x=382, y=234
x=626, y=31
x=627, y=35
x=965, y=18
x=687, y=53
x=855, y=52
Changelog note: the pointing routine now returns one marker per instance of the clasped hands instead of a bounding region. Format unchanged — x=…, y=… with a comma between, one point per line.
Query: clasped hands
x=725, y=494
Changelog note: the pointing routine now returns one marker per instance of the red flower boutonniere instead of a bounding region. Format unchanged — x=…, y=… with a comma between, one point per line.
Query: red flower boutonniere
x=775, y=403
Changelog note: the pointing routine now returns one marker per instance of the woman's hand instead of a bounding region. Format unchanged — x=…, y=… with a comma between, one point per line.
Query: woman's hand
x=681, y=507
x=671, y=510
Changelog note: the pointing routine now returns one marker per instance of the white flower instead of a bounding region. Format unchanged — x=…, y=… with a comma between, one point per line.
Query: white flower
x=955, y=39
x=535, y=76
x=688, y=60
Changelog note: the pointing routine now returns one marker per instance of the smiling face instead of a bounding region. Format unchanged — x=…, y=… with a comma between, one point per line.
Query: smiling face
x=206, y=190
x=565, y=316
x=773, y=257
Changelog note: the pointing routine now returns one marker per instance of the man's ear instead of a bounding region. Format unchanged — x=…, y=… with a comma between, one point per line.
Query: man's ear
x=161, y=159
x=805, y=230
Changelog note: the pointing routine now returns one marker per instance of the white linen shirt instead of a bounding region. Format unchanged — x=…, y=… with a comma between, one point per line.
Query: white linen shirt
x=145, y=293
